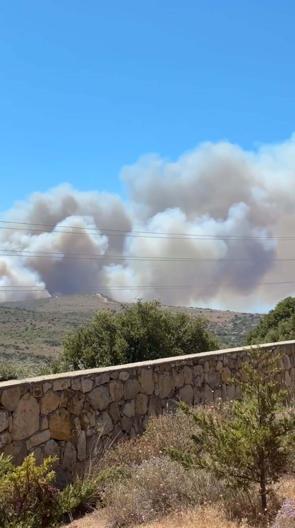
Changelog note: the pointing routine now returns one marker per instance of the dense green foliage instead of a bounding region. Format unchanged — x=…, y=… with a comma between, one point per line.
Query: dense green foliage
x=30, y=499
x=249, y=445
x=143, y=331
x=278, y=325
x=27, y=497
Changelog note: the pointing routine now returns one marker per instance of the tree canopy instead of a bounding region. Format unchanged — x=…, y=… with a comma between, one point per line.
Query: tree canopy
x=277, y=325
x=140, y=332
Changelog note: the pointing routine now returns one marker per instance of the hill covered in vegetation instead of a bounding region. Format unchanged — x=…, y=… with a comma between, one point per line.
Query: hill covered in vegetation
x=32, y=332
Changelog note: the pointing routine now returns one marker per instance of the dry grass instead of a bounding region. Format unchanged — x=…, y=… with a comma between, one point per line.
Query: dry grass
x=207, y=517
x=286, y=488
x=201, y=517
x=96, y=520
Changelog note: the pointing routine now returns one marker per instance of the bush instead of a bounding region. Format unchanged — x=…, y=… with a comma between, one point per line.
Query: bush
x=28, y=498
x=77, y=498
x=162, y=433
x=140, y=332
x=278, y=325
x=156, y=487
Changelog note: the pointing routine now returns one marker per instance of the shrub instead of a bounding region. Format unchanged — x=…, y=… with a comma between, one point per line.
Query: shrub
x=28, y=498
x=77, y=498
x=140, y=332
x=156, y=487
x=163, y=432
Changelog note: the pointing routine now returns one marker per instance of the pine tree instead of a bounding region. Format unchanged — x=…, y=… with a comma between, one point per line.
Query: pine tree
x=250, y=443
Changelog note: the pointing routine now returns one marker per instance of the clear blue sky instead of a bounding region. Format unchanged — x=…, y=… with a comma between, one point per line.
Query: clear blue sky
x=87, y=86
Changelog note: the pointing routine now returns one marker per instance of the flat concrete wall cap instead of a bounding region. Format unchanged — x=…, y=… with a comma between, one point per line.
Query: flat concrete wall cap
x=131, y=366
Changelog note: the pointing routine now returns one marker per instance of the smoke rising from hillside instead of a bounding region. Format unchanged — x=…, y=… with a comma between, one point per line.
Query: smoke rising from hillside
x=232, y=199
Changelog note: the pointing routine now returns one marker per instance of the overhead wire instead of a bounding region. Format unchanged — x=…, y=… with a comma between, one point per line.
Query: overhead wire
x=81, y=230
x=138, y=286
x=83, y=256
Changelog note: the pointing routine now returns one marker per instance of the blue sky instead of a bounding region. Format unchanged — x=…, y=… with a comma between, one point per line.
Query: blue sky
x=88, y=86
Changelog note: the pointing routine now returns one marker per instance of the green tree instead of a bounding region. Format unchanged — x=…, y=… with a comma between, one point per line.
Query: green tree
x=139, y=332
x=250, y=443
x=98, y=344
x=278, y=325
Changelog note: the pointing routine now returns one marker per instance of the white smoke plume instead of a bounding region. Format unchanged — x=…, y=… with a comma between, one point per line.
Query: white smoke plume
x=238, y=205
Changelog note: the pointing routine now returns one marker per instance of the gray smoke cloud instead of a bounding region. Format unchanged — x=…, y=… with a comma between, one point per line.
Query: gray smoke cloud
x=232, y=199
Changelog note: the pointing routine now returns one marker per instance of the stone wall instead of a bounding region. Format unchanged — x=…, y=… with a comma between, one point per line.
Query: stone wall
x=70, y=415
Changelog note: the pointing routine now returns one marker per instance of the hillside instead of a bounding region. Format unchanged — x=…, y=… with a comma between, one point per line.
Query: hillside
x=32, y=332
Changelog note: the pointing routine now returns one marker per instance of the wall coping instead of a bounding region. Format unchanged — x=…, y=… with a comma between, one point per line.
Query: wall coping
x=147, y=364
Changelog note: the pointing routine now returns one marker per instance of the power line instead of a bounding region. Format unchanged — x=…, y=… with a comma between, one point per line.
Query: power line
x=82, y=256
x=80, y=231
x=138, y=286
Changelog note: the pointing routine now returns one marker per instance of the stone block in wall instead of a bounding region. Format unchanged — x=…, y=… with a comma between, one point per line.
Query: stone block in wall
x=87, y=418
x=46, y=387
x=86, y=385
x=61, y=384
x=101, y=379
x=4, y=420
x=129, y=409
x=99, y=398
x=61, y=425
x=226, y=375
x=188, y=375
x=38, y=439
x=116, y=390
x=146, y=381
x=50, y=402
x=124, y=375
x=5, y=439
x=10, y=397
x=141, y=404
x=213, y=378
x=114, y=411
x=186, y=394
x=131, y=388
x=178, y=376
x=76, y=403
x=166, y=384
x=76, y=384
x=104, y=423
x=26, y=418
